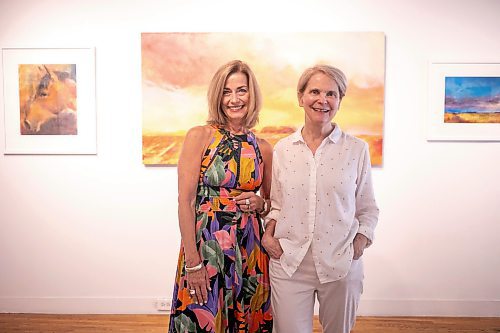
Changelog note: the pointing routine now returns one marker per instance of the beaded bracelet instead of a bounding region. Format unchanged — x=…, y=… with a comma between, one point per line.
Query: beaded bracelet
x=194, y=268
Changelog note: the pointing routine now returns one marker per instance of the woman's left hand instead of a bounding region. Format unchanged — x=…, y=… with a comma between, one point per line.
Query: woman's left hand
x=359, y=243
x=272, y=246
x=249, y=202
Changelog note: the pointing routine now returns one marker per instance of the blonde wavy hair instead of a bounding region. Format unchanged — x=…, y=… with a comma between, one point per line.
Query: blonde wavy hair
x=216, y=115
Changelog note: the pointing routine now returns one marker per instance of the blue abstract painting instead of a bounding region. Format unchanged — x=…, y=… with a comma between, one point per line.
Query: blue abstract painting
x=472, y=100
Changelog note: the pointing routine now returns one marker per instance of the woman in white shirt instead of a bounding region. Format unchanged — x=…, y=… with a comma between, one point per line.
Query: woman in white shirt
x=323, y=213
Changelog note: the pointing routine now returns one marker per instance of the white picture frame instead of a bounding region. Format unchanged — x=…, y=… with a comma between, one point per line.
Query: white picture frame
x=437, y=128
x=85, y=141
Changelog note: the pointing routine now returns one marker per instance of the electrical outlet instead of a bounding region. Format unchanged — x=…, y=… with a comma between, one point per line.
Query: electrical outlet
x=163, y=304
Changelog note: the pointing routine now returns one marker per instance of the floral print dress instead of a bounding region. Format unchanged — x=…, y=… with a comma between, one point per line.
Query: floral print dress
x=228, y=241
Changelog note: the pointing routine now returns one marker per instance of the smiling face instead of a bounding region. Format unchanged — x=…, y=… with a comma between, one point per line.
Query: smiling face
x=320, y=99
x=235, y=97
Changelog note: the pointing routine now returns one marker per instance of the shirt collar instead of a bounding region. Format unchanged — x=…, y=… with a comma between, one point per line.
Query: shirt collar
x=333, y=137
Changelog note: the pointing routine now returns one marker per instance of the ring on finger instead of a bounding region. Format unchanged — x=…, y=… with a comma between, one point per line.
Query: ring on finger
x=192, y=291
x=247, y=202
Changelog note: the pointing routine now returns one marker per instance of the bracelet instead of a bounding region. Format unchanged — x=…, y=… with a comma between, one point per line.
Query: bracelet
x=194, y=268
x=265, y=207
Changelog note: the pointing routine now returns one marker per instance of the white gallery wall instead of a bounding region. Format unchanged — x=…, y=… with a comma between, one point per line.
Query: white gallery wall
x=99, y=233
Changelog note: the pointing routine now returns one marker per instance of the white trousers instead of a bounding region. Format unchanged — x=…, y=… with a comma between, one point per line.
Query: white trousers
x=293, y=298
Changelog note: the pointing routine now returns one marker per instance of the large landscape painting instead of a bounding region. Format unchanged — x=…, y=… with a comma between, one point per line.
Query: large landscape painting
x=177, y=68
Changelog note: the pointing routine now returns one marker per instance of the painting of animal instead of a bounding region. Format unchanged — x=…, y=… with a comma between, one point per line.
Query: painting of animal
x=48, y=99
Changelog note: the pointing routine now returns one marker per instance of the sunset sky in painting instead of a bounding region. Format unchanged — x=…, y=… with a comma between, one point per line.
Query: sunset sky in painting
x=177, y=68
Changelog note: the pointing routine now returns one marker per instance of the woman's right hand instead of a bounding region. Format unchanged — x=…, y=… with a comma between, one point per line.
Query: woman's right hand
x=200, y=283
x=272, y=245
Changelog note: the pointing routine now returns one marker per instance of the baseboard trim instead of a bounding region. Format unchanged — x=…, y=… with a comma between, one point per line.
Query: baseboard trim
x=147, y=305
x=81, y=305
x=416, y=307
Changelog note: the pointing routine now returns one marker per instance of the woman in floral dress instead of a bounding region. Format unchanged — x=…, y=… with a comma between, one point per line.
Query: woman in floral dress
x=222, y=280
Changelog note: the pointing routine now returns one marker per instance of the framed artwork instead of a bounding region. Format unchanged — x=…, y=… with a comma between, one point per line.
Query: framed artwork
x=464, y=102
x=177, y=69
x=49, y=100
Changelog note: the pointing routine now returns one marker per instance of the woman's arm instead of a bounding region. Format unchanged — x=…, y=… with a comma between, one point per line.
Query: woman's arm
x=366, y=207
x=188, y=170
x=270, y=243
x=265, y=190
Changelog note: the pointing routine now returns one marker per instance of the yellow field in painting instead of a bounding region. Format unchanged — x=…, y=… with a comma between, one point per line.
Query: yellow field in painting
x=472, y=117
x=164, y=149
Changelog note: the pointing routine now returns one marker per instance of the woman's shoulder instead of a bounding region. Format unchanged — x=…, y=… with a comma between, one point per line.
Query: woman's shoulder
x=355, y=141
x=197, y=138
x=200, y=132
x=196, y=141
x=285, y=142
x=264, y=145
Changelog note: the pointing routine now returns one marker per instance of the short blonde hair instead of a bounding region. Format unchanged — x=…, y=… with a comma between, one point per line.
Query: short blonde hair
x=334, y=73
x=216, y=115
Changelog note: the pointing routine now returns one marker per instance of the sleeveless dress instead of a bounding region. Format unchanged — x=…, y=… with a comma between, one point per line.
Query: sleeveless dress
x=228, y=241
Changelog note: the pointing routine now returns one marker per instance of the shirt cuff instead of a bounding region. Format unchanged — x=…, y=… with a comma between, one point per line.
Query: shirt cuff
x=273, y=215
x=367, y=232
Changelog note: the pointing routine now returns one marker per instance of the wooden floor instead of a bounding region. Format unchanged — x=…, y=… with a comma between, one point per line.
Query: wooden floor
x=29, y=323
